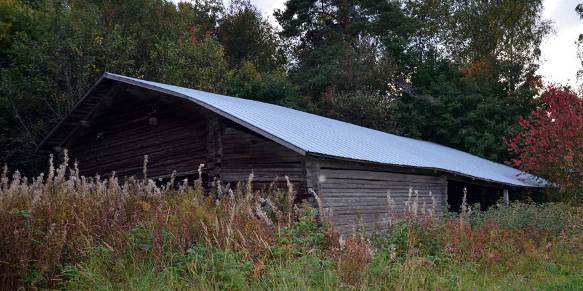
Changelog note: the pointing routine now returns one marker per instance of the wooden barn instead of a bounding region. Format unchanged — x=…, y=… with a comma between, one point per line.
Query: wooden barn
x=121, y=119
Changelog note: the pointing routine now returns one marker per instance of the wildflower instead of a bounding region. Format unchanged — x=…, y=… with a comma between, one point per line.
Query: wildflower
x=318, y=201
x=341, y=241
x=392, y=252
x=145, y=167
x=433, y=209
x=199, y=171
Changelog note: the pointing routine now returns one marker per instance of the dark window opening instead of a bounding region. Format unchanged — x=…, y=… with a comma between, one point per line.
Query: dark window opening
x=483, y=195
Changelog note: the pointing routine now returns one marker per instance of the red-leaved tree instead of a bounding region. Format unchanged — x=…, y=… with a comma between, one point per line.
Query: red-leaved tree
x=550, y=142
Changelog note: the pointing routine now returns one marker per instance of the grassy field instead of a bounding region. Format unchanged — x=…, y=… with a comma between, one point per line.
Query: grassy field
x=70, y=232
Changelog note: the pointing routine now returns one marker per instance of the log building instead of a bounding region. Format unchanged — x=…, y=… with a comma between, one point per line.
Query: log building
x=121, y=119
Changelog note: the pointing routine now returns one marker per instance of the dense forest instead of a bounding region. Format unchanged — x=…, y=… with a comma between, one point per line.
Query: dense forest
x=462, y=73
x=459, y=73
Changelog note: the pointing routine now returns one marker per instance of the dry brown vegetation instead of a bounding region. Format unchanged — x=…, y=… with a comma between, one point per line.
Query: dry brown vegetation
x=68, y=231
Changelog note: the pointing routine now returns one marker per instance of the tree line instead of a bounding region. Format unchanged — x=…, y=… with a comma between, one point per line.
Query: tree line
x=457, y=72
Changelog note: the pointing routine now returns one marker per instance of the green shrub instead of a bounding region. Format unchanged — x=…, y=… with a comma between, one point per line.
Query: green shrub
x=552, y=217
x=78, y=233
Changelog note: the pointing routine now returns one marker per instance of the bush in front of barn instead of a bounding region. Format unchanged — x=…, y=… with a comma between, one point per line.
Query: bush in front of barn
x=63, y=230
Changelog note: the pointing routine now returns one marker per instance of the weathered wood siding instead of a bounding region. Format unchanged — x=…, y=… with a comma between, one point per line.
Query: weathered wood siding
x=182, y=138
x=244, y=152
x=118, y=139
x=356, y=194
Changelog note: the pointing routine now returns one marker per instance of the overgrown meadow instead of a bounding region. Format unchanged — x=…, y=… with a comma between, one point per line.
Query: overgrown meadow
x=62, y=230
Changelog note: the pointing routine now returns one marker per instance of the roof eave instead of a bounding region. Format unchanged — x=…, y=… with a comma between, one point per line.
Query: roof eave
x=425, y=168
x=262, y=132
x=56, y=127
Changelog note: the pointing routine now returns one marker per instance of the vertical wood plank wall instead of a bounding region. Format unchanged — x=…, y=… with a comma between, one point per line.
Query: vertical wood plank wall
x=356, y=194
x=119, y=138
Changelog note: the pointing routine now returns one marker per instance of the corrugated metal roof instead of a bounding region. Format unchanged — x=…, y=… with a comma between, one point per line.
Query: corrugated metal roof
x=312, y=134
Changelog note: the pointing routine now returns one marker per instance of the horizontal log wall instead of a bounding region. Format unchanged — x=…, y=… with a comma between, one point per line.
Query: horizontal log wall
x=244, y=152
x=355, y=194
x=183, y=137
x=118, y=139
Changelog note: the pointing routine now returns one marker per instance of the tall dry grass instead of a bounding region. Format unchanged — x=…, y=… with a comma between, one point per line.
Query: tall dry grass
x=65, y=230
x=59, y=218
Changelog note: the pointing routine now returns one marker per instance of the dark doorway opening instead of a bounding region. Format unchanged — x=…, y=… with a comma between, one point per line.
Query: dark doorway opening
x=485, y=196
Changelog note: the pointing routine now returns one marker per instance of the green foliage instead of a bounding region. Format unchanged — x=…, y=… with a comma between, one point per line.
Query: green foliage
x=405, y=266
x=222, y=269
x=303, y=236
x=53, y=51
x=83, y=233
x=272, y=87
x=365, y=109
x=551, y=217
x=454, y=72
x=508, y=31
x=465, y=111
x=247, y=37
x=198, y=65
x=479, y=84
x=339, y=46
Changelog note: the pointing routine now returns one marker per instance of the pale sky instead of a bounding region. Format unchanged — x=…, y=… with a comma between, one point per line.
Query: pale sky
x=559, y=63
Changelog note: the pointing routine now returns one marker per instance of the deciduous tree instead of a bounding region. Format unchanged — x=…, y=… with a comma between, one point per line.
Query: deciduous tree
x=550, y=142
x=52, y=51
